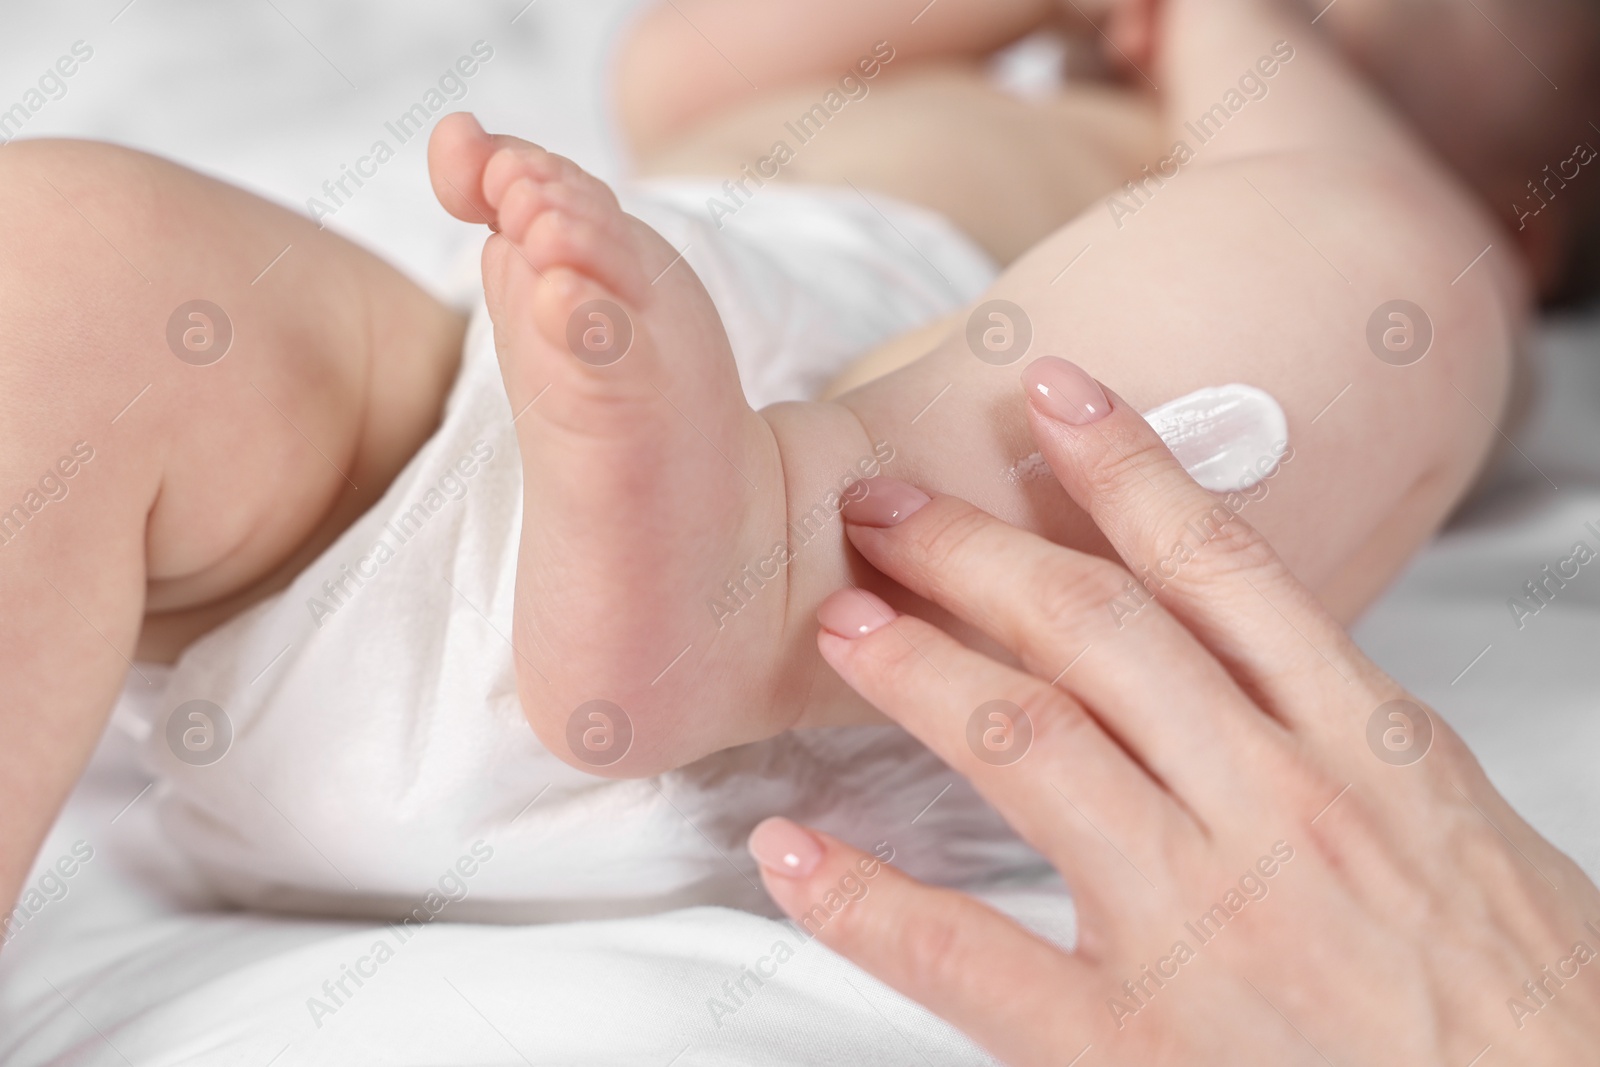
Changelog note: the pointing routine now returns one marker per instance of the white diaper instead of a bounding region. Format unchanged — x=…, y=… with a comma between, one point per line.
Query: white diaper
x=378, y=758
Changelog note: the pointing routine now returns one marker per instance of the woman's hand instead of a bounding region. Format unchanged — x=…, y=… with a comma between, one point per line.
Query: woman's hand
x=1278, y=857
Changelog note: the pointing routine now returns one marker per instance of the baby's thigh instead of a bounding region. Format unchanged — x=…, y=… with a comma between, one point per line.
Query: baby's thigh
x=1390, y=363
x=249, y=383
x=193, y=384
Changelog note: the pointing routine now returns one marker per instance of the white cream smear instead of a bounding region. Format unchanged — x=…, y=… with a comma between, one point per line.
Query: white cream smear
x=1229, y=437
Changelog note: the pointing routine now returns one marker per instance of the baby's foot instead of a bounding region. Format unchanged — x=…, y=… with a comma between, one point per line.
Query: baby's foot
x=646, y=475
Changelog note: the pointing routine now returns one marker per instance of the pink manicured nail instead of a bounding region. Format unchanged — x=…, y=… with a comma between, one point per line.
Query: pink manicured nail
x=888, y=502
x=1064, y=391
x=784, y=848
x=854, y=613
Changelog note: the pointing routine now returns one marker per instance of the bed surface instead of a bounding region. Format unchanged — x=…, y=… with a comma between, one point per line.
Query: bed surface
x=134, y=965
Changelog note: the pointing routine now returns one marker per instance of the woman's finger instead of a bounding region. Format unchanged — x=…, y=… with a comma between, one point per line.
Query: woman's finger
x=1187, y=547
x=1030, y=749
x=1022, y=998
x=1073, y=619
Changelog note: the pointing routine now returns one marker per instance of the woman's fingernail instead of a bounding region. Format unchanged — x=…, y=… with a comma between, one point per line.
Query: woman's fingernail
x=854, y=613
x=785, y=848
x=888, y=502
x=1064, y=391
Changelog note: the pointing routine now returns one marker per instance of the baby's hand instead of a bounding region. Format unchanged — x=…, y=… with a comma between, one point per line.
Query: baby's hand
x=1129, y=27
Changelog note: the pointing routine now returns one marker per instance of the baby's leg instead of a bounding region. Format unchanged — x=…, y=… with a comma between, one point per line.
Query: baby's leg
x=650, y=482
x=1265, y=260
x=149, y=488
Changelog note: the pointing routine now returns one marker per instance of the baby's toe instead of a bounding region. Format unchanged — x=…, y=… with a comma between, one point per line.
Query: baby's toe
x=526, y=198
x=603, y=253
x=521, y=159
x=458, y=151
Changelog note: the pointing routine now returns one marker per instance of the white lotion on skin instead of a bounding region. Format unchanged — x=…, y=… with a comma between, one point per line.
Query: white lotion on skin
x=1228, y=438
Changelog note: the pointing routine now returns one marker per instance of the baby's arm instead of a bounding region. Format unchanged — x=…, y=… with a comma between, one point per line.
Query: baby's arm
x=1262, y=262
x=685, y=61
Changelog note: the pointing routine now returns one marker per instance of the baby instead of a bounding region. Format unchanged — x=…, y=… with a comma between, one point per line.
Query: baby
x=649, y=485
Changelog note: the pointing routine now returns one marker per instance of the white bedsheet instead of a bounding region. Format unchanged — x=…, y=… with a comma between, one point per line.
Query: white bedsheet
x=132, y=966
